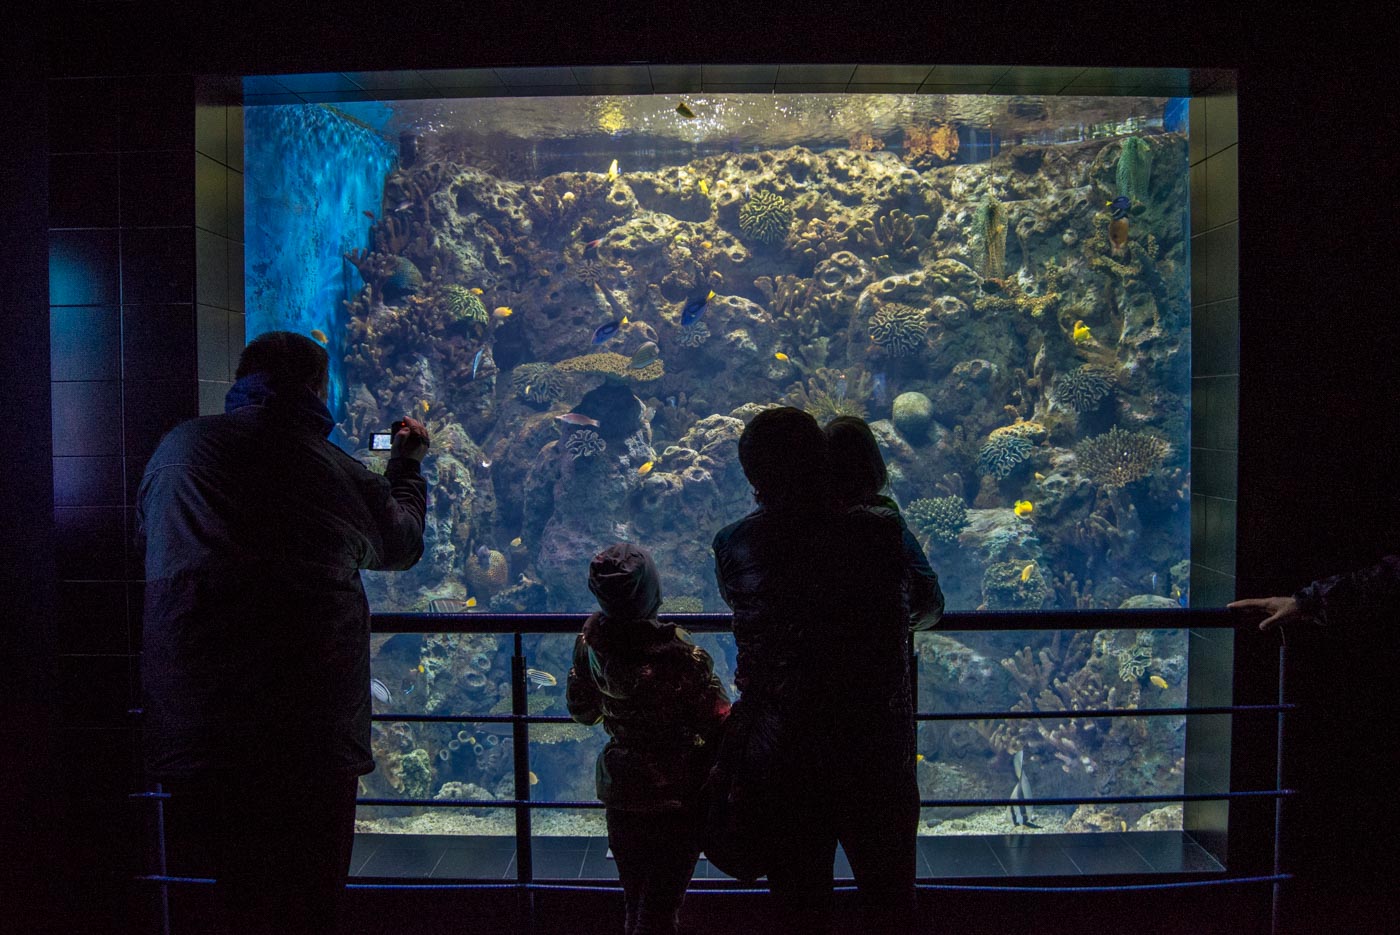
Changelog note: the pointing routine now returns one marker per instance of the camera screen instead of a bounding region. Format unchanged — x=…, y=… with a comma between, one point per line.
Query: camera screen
x=381, y=441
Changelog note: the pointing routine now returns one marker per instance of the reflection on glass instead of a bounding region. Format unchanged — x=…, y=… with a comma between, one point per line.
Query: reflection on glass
x=585, y=298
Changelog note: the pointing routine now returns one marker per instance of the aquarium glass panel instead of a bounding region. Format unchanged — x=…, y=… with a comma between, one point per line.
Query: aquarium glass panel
x=585, y=299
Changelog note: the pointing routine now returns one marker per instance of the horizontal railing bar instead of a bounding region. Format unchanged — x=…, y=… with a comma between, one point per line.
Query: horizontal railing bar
x=716, y=623
x=940, y=716
x=925, y=803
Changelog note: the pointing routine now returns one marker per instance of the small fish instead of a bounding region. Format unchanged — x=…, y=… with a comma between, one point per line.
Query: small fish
x=645, y=469
x=704, y=186
x=781, y=356
x=408, y=688
x=1158, y=681
x=1117, y=235
x=421, y=670
x=606, y=331
x=1081, y=333
x=534, y=780
x=403, y=206
x=706, y=244
x=1154, y=582
x=1023, y=507
x=1039, y=477
x=1122, y=825
x=379, y=690
x=503, y=312
x=471, y=602
x=475, y=290
x=694, y=308
x=684, y=110
x=577, y=418
x=567, y=197
x=645, y=355
x=541, y=678
x=483, y=556
x=425, y=404
x=592, y=244
x=515, y=543
x=446, y=605
x=320, y=335
x=486, y=464
x=476, y=361
x=918, y=758
x=612, y=170
x=1181, y=600
x=369, y=214
x=1119, y=207
x=1026, y=572
x=747, y=193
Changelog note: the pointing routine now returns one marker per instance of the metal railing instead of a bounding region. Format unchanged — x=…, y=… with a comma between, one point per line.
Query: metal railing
x=520, y=625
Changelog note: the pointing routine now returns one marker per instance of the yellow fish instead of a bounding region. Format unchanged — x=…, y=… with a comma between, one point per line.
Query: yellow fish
x=475, y=291
x=1158, y=681
x=704, y=187
x=424, y=404
x=503, y=311
x=612, y=170
x=918, y=758
x=684, y=110
x=534, y=780
x=471, y=602
x=1081, y=333
x=781, y=356
x=706, y=244
x=1023, y=507
x=625, y=321
x=645, y=469
x=1039, y=476
x=1122, y=825
x=1026, y=572
x=320, y=335
x=420, y=668
x=515, y=543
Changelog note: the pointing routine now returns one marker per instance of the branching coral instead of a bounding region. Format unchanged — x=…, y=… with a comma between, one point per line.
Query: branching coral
x=899, y=329
x=941, y=519
x=375, y=269
x=1000, y=455
x=895, y=234
x=694, y=336
x=787, y=295
x=584, y=443
x=765, y=217
x=612, y=365
x=1083, y=388
x=537, y=383
x=989, y=225
x=830, y=393
x=1118, y=458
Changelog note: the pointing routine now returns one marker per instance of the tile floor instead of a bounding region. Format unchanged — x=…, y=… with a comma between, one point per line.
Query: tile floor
x=447, y=857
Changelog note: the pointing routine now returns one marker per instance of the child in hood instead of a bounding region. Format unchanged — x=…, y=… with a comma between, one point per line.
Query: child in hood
x=661, y=704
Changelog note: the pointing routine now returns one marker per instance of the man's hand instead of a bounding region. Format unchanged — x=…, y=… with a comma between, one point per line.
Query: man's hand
x=411, y=441
x=1278, y=610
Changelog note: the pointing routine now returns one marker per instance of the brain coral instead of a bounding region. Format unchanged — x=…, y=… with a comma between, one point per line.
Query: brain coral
x=939, y=518
x=613, y=365
x=899, y=329
x=492, y=578
x=584, y=443
x=461, y=305
x=1116, y=457
x=1002, y=453
x=694, y=336
x=537, y=383
x=1083, y=388
x=765, y=217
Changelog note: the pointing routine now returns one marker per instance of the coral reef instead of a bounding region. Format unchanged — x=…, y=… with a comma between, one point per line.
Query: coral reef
x=1009, y=586
x=932, y=144
x=1083, y=388
x=830, y=393
x=461, y=304
x=899, y=329
x=911, y=414
x=1118, y=458
x=766, y=217
x=584, y=443
x=694, y=336
x=611, y=364
x=939, y=519
x=1002, y=452
x=537, y=383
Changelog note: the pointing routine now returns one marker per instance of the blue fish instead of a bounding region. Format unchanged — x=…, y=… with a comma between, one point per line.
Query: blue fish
x=408, y=689
x=1120, y=206
x=606, y=331
x=694, y=308
x=1175, y=115
x=483, y=557
x=877, y=389
x=476, y=361
x=1181, y=601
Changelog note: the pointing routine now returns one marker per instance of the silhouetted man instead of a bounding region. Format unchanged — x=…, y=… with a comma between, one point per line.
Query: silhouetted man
x=256, y=638
x=822, y=610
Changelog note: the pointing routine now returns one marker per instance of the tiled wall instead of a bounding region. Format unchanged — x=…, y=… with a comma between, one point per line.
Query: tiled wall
x=122, y=324
x=218, y=234
x=1215, y=366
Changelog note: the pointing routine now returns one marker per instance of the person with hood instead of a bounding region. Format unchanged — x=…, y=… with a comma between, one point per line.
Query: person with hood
x=255, y=663
x=659, y=700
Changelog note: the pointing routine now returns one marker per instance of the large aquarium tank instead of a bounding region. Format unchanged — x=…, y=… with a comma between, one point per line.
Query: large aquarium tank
x=587, y=298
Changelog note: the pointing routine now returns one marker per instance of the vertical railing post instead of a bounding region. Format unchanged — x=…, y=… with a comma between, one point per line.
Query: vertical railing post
x=520, y=707
x=162, y=866
x=1278, y=800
